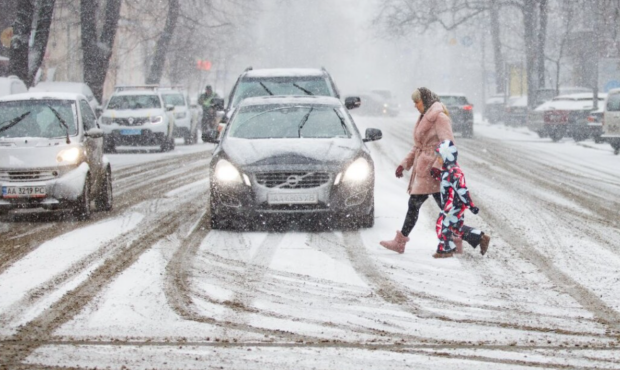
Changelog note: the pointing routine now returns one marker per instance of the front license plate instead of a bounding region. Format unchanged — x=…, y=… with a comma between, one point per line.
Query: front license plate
x=24, y=192
x=131, y=132
x=307, y=198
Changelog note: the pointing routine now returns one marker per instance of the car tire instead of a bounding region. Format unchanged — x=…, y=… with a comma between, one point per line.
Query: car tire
x=542, y=134
x=598, y=139
x=105, y=200
x=167, y=145
x=468, y=131
x=579, y=137
x=81, y=209
x=109, y=146
x=368, y=220
x=556, y=135
x=616, y=147
x=218, y=220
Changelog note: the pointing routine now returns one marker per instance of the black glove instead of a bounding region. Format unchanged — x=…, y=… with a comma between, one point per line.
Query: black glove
x=474, y=210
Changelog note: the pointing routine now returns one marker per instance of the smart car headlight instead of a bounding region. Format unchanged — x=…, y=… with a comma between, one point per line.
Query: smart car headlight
x=157, y=119
x=225, y=172
x=357, y=171
x=71, y=155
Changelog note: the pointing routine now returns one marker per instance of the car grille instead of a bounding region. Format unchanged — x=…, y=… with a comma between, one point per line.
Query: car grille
x=138, y=121
x=292, y=180
x=30, y=175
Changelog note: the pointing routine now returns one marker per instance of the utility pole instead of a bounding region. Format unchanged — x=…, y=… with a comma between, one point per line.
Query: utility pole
x=595, y=54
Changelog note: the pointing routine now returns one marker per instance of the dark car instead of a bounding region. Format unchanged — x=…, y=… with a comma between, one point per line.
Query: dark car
x=284, y=81
x=291, y=156
x=461, y=112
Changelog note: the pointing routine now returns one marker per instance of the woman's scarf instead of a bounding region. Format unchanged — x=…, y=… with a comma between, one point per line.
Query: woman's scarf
x=428, y=98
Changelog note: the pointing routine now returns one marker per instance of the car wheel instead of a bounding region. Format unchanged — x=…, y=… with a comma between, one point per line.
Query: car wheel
x=167, y=145
x=542, y=134
x=616, y=147
x=598, y=139
x=368, y=220
x=81, y=210
x=556, y=135
x=109, y=146
x=579, y=137
x=218, y=220
x=105, y=200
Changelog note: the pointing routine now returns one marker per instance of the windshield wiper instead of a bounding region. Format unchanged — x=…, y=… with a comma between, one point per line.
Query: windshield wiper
x=308, y=92
x=303, y=121
x=62, y=122
x=265, y=87
x=342, y=123
x=12, y=122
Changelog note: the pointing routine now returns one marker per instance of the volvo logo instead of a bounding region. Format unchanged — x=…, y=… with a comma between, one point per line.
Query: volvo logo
x=130, y=120
x=293, y=181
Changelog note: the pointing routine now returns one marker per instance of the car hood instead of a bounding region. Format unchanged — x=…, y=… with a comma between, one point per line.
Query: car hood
x=291, y=152
x=29, y=153
x=126, y=113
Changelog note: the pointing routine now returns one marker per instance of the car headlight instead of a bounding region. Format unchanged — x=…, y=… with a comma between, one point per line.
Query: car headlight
x=71, y=155
x=106, y=120
x=357, y=171
x=227, y=173
x=180, y=115
x=157, y=119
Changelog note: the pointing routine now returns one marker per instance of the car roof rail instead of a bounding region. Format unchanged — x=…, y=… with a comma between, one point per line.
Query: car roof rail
x=248, y=69
x=118, y=88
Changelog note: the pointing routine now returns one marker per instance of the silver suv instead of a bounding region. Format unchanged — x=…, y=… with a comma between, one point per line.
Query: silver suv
x=51, y=154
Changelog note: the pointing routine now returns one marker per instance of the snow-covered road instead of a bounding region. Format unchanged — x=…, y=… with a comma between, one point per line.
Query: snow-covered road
x=149, y=285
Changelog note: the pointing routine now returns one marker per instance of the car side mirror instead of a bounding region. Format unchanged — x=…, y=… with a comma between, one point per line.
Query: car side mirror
x=98, y=111
x=211, y=136
x=373, y=134
x=217, y=103
x=94, y=133
x=169, y=107
x=352, y=102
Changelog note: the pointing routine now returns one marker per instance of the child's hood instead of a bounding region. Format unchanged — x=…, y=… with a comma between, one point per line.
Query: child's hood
x=447, y=150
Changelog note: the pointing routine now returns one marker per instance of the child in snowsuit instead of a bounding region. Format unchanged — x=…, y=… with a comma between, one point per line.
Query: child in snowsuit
x=455, y=200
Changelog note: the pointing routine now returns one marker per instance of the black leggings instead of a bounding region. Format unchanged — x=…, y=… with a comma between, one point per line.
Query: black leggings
x=415, y=202
x=470, y=235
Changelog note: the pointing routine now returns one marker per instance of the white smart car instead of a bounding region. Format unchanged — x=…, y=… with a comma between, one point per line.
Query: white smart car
x=137, y=116
x=51, y=154
x=611, y=120
x=185, y=124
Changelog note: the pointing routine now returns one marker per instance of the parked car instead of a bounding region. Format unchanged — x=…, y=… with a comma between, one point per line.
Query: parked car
x=611, y=120
x=12, y=85
x=284, y=81
x=494, y=109
x=516, y=110
x=137, y=115
x=185, y=124
x=51, y=154
x=544, y=95
x=595, y=124
x=291, y=156
x=461, y=113
x=565, y=115
x=69, y=87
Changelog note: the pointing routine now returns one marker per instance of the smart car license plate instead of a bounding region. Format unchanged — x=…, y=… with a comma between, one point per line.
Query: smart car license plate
x=24, y=192
x=305, y=198
x=131, y=132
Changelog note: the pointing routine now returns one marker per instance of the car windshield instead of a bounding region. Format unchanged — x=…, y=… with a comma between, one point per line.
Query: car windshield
x=37, y=119
x=613, y=103
x=289, y=121
x=122, y=102
x=174, y=99
x=454, y=100
x=313, y=85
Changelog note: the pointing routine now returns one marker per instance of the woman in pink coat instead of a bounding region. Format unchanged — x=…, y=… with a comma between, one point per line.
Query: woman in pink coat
x=432, y=127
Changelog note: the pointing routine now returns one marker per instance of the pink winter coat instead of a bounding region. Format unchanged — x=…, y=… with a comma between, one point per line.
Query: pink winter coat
x=429, y=131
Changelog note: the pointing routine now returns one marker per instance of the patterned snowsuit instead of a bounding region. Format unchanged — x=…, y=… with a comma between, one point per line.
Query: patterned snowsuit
x=455, y=199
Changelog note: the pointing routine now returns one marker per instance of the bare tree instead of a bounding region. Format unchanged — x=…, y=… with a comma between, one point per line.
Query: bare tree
x=97, y=49
x=26, y=58
x=161, y=50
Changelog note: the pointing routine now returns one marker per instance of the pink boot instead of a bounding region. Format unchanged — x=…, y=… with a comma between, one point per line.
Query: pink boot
x=396, y=245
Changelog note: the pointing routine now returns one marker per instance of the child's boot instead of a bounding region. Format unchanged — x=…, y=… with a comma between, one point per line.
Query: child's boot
x=396, y=245
x=459, y=245
x=484, y=243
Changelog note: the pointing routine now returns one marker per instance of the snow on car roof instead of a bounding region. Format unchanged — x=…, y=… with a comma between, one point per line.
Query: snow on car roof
x=59, y=86
x=284, y=72
x=285, y=99
x=136, y=92
x=566, y=105
x=579, y=96
x=43, y=95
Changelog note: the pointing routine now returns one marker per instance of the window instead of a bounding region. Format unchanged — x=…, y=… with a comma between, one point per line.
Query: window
x=38, y=118
x=302, y=85
x=174, y=99
x=290, y=121
x=613, y=103
x=88, y=117
x=131, y=102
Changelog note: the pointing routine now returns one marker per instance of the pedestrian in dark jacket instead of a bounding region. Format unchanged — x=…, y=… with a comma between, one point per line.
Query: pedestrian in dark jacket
x=455, y=200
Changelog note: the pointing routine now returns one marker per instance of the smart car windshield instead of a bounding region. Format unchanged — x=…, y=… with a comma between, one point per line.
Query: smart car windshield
x=613, y=103
x=174, y=99
x=289, y=121
x=130, y=102
x=311, y=85
x=38, y=120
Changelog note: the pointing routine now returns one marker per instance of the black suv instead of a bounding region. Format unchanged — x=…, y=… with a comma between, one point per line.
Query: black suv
x=461, y=113
x=284, y=81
